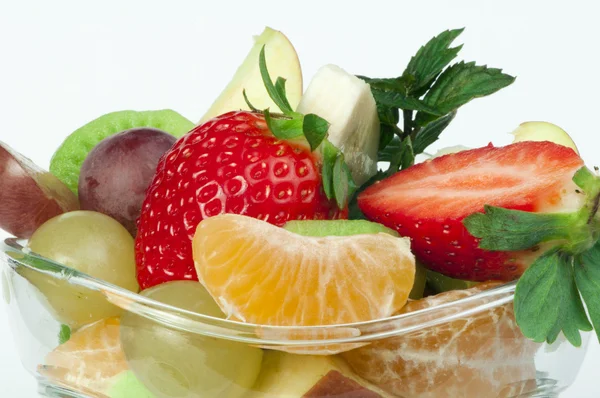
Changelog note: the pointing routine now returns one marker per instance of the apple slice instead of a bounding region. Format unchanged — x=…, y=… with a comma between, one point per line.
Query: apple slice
x=286, y=375
x=543, y=131
x=29, y=196
x=282, y=60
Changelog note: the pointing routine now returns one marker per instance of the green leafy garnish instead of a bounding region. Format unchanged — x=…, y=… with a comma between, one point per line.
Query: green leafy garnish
x=338, y=184
x=427, y=95
x=548, y=294
x=64, y=334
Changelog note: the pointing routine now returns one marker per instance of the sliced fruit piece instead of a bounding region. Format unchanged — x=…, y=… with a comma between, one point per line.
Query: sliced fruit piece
x=231, y=164
x=286, y=375
x=427, y=202
x=126, y=385
x=321, y=228
x=420, y=280
x=29, y=196
x=117, y=172
x=483, y=355
x=282, y=60
x=91, y=243
x=329, y=280
x=68, y=158
x=543, y=131
x=174, y=363
x=441, y=283
x=89, y=360
x=346, y=102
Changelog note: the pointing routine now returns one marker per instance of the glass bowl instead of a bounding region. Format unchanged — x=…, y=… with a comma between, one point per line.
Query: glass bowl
x=458, y=345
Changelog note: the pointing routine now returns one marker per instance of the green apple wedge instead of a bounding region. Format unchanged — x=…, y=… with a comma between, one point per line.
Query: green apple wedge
x=285, y=375
x=543, y=131
x=282, y=60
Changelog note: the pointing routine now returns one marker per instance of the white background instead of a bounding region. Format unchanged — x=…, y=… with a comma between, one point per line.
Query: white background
x=63, y=64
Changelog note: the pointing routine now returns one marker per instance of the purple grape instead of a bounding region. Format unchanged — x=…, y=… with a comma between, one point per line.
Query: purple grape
x=117, y=172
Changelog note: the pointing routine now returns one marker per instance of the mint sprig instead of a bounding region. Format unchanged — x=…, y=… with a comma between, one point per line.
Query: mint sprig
x=337, y=181
x=548, y=294
x=428, y=95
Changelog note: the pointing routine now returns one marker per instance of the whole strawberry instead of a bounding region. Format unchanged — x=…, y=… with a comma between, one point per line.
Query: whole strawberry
x=251, y=163
x=429, y=201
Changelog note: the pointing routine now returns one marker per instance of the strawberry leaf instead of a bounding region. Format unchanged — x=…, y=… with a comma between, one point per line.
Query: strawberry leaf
x=508, y=230
x=315, y=130
x=431, y=59
x=284, y=128
x=252, y=107
x=329, y=153
x=547, y=302
x=587, y=278
x=277, y=93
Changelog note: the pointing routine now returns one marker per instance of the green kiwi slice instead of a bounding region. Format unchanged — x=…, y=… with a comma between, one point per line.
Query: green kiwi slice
x=68, y=158
x=442, y=283
x=319, y=228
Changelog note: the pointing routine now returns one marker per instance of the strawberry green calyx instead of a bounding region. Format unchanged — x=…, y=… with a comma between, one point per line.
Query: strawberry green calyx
x=291, y=125
x=548, y=296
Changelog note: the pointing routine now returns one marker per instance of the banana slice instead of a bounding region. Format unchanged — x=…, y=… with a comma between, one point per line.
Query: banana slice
x=347, y=104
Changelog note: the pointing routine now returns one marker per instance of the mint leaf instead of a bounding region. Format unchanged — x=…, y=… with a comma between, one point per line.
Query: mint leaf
x=507, y=230
x=396, y=99
x=407, y=155
x=390, y=150
x=431, y=132
x=315, y=130
x=463, y=82
x=432, y=58
x=64, y=334
x=546, y=300
x=386, y=84
x=587, y=277
x=277, y=94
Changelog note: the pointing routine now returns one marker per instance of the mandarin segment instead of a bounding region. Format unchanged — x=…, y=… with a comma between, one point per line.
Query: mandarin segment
x=484, y=355
x=90, y=359
x=263, y=274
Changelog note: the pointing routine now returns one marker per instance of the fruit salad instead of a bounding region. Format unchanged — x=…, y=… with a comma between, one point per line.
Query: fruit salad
x=306, y=243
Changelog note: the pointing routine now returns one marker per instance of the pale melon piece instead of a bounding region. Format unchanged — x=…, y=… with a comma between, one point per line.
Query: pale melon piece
x=285, y=375
x=543, y=131
x=282, y=61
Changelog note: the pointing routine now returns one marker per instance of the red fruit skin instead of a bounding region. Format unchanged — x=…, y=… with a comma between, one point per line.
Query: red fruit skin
x=230, y=164
x=429, y=201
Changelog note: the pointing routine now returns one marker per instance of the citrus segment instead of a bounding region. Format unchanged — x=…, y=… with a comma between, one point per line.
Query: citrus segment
x=90, y=359
x=263, y=274
x=483, y=355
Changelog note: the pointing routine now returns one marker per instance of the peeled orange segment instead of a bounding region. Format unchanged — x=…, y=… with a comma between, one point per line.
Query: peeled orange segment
x=483, y=355
x=262, y=274
x=89, y=360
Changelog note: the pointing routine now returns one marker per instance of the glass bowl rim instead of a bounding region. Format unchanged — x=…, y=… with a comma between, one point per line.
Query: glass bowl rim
x=16, y=256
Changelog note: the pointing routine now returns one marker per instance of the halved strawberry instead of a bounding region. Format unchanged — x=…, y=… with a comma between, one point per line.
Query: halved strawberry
x=428, y=202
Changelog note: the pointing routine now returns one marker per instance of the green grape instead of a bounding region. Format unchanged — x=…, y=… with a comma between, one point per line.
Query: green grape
x=91, y=243
x=174, y=363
